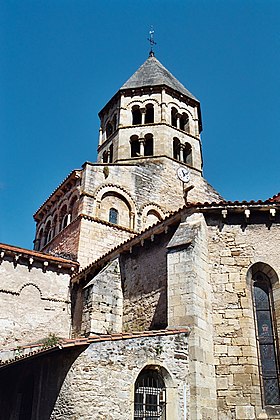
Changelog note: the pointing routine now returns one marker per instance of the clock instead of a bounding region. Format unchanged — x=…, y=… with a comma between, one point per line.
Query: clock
x=183, y=174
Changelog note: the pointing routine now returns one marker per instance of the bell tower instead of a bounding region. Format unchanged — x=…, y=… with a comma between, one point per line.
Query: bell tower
x=152, y=114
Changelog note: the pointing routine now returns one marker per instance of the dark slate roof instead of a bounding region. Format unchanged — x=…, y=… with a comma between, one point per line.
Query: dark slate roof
x=153, y=73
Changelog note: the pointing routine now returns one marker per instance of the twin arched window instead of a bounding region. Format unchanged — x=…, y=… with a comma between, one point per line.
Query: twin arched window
x=180, y=121
x=142, y=147
x=182, y=152
x=143, y=115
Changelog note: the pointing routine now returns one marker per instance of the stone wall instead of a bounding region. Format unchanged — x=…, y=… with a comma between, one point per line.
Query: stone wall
x=103, y=302
x=233, y=248
x=189, y=303
x=100, y=383
x=34, y=302
x=144, y=283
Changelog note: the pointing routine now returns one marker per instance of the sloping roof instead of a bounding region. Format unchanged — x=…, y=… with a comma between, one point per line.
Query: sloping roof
x=9, y=357
x=275, y=198
x=153, y=73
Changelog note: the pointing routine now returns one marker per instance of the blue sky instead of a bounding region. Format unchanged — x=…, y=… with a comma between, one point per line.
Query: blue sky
x=62, y=60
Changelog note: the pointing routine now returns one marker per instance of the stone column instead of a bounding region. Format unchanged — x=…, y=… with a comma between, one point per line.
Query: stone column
x=143, y=113
x=142, y=142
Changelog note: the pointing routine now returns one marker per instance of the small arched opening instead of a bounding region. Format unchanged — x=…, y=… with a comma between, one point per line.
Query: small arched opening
x=184, y=122
x=63, y=215
x=149, y=145
x=136, y=115
x=134, y=146
x=174, y=113
x=176, y=148
x=113, y=216
x=111, y=154
x=150, y=395
x=149, y=114
x=48, y=232
x=109, y=129
x=105, y=157
x=187, y=154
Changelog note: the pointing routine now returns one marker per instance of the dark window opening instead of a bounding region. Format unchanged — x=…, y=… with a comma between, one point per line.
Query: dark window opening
x=184, y=122
x=174, y=117
x=149, y=145
x=187, y=154
x=150, y=396
x=109, y=129
x=266, y=338
x=113, y=216
x=111, y=154
x=105, y=157
x=115, y=122
x=136, y=115
x=149, y=115
x=63, y=217
x=176, y=148
x=134, y=146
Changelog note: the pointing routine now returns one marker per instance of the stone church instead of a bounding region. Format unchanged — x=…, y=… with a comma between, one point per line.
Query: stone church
x=147, y=295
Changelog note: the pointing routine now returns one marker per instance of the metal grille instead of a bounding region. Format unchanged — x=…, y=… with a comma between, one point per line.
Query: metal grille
x=269, y=370
x=149, y=402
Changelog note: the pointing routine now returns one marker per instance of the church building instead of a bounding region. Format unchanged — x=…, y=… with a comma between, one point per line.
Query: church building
x=147, y=296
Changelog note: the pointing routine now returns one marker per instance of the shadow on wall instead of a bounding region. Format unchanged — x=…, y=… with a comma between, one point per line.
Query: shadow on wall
x=29, y=388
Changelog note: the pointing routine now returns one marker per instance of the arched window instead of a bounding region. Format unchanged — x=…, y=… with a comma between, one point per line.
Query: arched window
x=115, y=122
x=176, y=148
x=149, y=115
x=150, y=396
x=134, y=146
x=184, y=122
x=113, y=216
x=266, y=338
x=63, y=217
x=111, y=154
x=187, y=154
x=136, y=115
x=174, y=117
x=48, y=232
x=105, y=157
x=149, y=145
x=109, y=129
x=40, y=240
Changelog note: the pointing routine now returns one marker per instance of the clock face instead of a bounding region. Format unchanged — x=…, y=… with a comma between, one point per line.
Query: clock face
x=183, y=174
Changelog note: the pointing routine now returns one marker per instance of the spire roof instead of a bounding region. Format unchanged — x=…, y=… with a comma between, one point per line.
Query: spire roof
x=153, y=73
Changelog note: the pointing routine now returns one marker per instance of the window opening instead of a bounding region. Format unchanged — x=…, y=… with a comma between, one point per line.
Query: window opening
x=150, y=396
x=134, y=146
x=174, y=117
x=266, y=338
x=113, y=216
x=136, y=115
x=115, y=122
x=187, y=154
x=109, y=129
x=149, y=145
x=184, y=122
x=149, y=115
x=111, y=154
x=105, y=157
x=176, y=148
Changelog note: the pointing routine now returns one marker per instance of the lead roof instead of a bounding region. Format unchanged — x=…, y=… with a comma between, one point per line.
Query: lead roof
x=153, y=73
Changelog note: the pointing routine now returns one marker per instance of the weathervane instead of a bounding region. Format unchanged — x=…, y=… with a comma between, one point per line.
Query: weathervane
x=152, y=42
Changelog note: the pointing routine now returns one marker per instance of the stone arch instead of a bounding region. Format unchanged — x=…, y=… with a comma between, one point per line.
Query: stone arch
x=264, y=268
x=163, y=385
x=151, y=214
x=32, y=285
x=118, y=198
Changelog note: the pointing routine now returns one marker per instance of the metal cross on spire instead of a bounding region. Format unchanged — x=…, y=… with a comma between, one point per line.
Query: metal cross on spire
x=152, y=42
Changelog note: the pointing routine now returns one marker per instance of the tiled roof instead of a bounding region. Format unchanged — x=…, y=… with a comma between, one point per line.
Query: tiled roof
x=25, y=352
x=6, y=249
x=153, y=73
x=275, y=198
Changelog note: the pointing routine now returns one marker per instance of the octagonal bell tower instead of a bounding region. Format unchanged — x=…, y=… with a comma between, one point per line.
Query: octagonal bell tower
x=152, y=114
